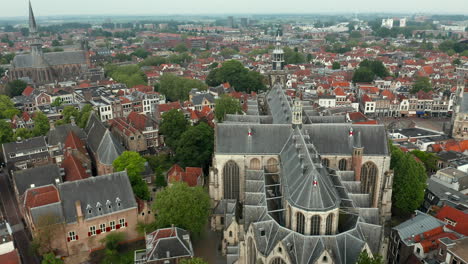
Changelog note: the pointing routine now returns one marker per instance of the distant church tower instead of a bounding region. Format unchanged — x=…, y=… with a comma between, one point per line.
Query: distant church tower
x=36, y=42
x=278, y=75
x=297, y=114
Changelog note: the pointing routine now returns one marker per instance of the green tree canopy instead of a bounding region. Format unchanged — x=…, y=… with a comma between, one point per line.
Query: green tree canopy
x=409, y=181
x=141, y=53
x=181, y=47
x=23, y=133
x=6, y=133
x=363, y=74
x=238, y=76
x=226, y=105
x=293, y=56
x=50, y=258
x=41, y=124
x=173, y=125
x=7, y=108
x=178, y=88
x=16, y=87
x=364, y=258
x=153, y=61
x=134, y=164
x=421, y=83
x=56, y=102
x=368, y=69
x=130, y=75
x=172, y=207
x=428, y=159
x=195, y=147
x=336, y=65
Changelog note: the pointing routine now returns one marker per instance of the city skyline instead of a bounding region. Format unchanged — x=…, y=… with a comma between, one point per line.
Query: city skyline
x=141, y=7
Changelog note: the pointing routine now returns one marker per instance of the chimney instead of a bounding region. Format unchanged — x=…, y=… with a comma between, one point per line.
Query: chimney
x=52, y=125
x=72, y=120
x=79, y=213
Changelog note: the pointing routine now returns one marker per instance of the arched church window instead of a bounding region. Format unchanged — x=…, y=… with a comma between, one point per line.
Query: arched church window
x=315, y=225
x=342, y=164
x=277, y=260
x=255, y=164
x=272, y=165
x=231, y=180
x=368, y=178
x=325, y=162
x=329, y=227
x=300, y=219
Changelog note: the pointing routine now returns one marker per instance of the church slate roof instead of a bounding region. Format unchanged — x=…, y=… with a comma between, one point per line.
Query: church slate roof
x=101, y=141
x=50, y=59
x=39, y=176
x=94, y=192
x=332, y=139
x=234, y=138
x=279, y=105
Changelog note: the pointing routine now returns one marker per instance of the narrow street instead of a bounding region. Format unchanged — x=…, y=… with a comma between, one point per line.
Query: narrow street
x=11, y=212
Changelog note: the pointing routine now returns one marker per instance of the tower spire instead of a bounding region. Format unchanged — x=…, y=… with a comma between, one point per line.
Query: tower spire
x=32, y=20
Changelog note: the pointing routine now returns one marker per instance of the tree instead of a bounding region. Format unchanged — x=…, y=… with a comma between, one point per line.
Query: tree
x=50, y=258
x=48, y=229
x=178, y=88
x=336, y=65
x=161, y=161
x=23, y=133
x=173, y=125
x=456, y=61
x=376, y=67
x=57, y=102
x=7, y=108
x=67, y=114
x=134, y=164
x=16, y=87
x=409, y=181
x=363, y=74
x=195, y=147
x=181, y=47
x=131, y=75
x=293, y=56
x=160, y=180
x=428, y=159
x=153, y=61
x=421, y=83
x=236, y=75
x=227, y=52
x=111, y=243
x=141, y=53
x=193, y=261
x=41, y=124
x=226, y=105
x=56, y=43
x=364, y=258
x=6, y=133
x=84, y=115
x=172, y=208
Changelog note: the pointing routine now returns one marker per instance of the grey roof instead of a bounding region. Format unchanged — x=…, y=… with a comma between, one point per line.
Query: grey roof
x=300, y=167
x=52, y=211
x=35, y=143
x=112, y=190
x=101, y=141
x=39, y=176
x=419, y=224
x=446, y=194
x=464, y=103
x=59, y=134
x=197, y=99
x=172, y=243
x=327, y=119
x=335, y=139
x=279, y=105
x=234, y=138
x=50, y=59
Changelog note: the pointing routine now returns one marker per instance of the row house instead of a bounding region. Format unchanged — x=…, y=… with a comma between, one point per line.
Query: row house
x=130, y=137
x=81, y=213
x=147, y=126
x=27, y=153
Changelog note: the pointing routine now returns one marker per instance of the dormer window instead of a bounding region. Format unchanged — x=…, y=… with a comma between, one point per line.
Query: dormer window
x=89, y=209
x=117, y=201
x=108, y=203
x=99, y=206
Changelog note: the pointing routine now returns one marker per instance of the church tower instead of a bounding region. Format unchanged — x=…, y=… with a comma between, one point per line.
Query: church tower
x=297, y=114
x=36, y=42
x=277, y=74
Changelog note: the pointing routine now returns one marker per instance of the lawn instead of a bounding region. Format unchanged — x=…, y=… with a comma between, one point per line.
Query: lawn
x=124, y=256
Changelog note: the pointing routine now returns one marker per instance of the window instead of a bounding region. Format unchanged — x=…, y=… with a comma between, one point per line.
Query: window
x=418, y=250
x=231, y=180
x=92, y=231
x=315, y=225
x=255, y=164
x=72, y=236
x=329, y=227
x=325, y=162
x=230, y=233
x=122, y=222
x=342, y=165
x=300, y=223
x=112, y=225
x=102, y=227
x=368, y=179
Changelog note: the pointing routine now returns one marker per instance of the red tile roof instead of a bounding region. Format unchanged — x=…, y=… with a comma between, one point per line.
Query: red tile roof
x=339, y=91
x=74, y=142
x=41, y=196
x=458, y=146
x=10, y=258
x=169, y=106
x=28, y=91
x=189, y=176
x=138, y=120
x=454, y=215
x=74, y=169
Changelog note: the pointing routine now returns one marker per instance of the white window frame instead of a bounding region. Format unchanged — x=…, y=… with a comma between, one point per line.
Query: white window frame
x=92, y=230
x=112, y=225
x=102, y=227
x=122, y=222
x=72, y=236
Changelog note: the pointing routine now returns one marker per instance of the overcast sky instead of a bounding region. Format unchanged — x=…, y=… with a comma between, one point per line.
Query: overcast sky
x=9, y=8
